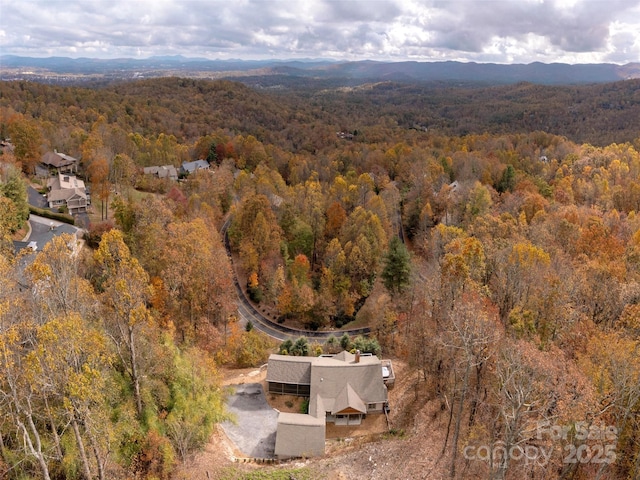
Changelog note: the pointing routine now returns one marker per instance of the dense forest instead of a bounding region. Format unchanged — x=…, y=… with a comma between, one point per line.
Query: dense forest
x=496, y=230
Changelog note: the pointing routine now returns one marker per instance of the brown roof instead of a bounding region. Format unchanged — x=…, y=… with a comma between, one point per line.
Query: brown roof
x=165, y=171
x=63, y=181
x=66, y=194
x=57, y=160
x=289, y=369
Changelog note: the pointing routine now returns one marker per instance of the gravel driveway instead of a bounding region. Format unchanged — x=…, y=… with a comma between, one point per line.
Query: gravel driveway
x=254, y=432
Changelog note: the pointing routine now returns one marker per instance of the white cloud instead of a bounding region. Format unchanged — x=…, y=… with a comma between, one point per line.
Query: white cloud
x=502, y=31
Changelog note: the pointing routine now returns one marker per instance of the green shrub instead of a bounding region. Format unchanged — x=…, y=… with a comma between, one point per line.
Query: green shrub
x=65, y=218
x=255, y=294
x=345, y=342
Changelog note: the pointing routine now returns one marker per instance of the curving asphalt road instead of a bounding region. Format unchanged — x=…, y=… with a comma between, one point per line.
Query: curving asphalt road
x=247, y=312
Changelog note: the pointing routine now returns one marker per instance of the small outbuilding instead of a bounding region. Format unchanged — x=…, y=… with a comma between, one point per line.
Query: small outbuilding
x=299, y=435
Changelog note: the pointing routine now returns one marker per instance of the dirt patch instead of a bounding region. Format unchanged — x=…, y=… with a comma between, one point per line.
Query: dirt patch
x=286, y=403
x=241, y=376
x=19, y=235
x=217, y=455
x=371, y=425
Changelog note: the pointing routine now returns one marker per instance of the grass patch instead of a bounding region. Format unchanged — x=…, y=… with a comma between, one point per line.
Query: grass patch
x=395, y=432
x=138, y=195
x=233, y=473
x=360, y=322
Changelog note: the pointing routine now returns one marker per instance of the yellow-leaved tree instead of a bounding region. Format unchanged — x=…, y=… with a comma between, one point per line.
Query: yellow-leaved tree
x=67, y=370
x=126, y=293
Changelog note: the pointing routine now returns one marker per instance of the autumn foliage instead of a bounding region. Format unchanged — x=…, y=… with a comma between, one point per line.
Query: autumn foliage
x=504, y=267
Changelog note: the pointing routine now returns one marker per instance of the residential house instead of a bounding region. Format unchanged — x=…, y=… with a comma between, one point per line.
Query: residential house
x=165, y=171
x=58, y=163
x=189, y=167
x=342, y=389
x=345, y=135
x=69, y=191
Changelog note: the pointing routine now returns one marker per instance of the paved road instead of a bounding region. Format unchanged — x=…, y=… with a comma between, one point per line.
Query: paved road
x=36, y=199
x=40, y=225
x=247, y=312
x=44, y=229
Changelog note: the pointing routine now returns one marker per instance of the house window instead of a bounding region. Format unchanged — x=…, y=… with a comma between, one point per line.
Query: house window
x=371, y=406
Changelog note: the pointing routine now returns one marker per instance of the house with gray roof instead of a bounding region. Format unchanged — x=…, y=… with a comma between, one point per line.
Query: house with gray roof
x=189, y=167
x=342, y=389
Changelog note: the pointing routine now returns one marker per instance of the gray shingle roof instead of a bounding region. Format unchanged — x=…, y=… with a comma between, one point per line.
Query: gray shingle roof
x=299, y=435
x=329, y=376
x=342, y=383
x=289, y=369
x=348, y=399
x=189, y=167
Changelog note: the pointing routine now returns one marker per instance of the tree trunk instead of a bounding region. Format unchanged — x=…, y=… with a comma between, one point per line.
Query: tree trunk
x=2, y=448
x=456, y=431
x=54, y=430
x=36, y=450
x=446, y=438
x=134, y=372
x=476, y=396
x=96, y=453
x=81, y=451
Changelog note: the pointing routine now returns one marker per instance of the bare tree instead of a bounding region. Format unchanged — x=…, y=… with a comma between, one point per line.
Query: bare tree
x=472, y=335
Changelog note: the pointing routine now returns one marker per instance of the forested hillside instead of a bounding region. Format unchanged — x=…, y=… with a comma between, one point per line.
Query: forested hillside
x=514, y=294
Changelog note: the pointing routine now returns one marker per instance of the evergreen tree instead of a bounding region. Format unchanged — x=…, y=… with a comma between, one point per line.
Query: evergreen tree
x=508, y=180
x=13, y=187
x=212, y=156
x=300, y=348
x=397, y=267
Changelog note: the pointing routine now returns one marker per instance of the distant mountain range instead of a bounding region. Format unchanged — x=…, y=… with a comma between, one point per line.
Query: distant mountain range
x=64, y=69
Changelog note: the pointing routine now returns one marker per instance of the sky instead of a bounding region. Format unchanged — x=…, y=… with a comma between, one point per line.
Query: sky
x=496, y=31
